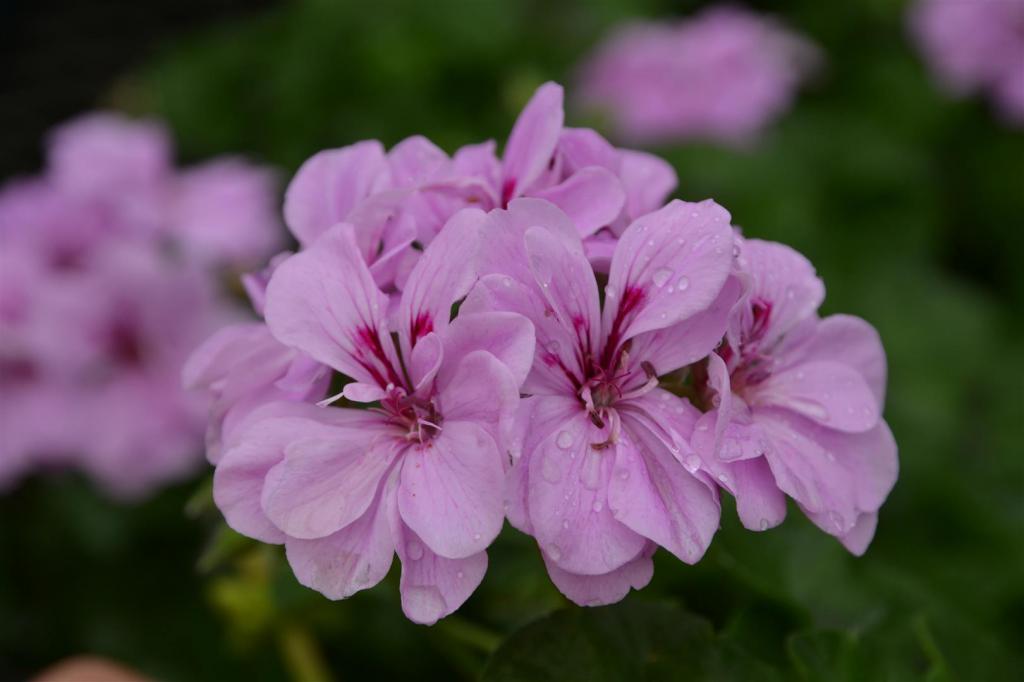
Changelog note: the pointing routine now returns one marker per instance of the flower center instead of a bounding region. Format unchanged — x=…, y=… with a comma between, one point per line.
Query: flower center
x=417, y=418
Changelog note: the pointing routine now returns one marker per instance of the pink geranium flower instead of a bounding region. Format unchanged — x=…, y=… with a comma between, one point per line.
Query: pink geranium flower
x=797, y=403
x=393, y=198
x=105, y=288
x=975, y=46
x=597, y=478
x=723, y=74
x=422, y=473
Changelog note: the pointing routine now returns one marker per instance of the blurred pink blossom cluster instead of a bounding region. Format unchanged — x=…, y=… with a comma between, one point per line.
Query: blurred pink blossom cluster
x=537, y=337
x=975, y=46
x=722, y=75
x=109, y=275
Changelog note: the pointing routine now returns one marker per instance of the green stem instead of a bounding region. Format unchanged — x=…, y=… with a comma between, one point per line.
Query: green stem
x=301, y=654
x=470, y=633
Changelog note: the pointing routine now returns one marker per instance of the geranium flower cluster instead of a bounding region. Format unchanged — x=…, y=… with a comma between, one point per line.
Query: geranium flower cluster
x=975, y=46
x=540, y=338
x=109, y=268
x=722, y=75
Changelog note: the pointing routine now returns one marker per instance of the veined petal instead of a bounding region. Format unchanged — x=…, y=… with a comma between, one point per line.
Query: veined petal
x=648, y=180
x=691, y=340
x=427, y=359
x=330, y=472
x=566, y=282
x=537, y=418
x=668, y=266
x=653, y=494
x=324, y=302
x=450, y=491
x=831, y=473
x=329, y=185
x=482, y=392
x=507, y=336
x=592, y=198
x=568, y=501
x=504, y=235
x=443, y=275
x=352, y=559
x=533, y=139
x=555, y=363
x=851, y=341
x=830, y=393
x=432, y=586
x=606, y=588
x=786, y=280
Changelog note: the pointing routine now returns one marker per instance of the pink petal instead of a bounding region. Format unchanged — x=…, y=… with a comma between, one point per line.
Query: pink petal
x=786, y=280
x=482, y=392
x=507, y=336
x=647, y=179
x=568, y=502
x=433, y=586
x=566, y=282
x=759, y=502
x=691, y=340
x=329, y=185
x=451, y=490
x=332, y=468
x=414, y=161
x=851, y=341
x=479, y=162
x=582, y=147
x=668, y=266
x=555, y=345
x=533, y=139
x=352, y=559
x=537, y=418
x=830, y=393
x=830, y=473
x=443, y=275
x=238, y=483
x=324, y=302
x=653, y=494
x=606, y=588
x=426, y=361
x=592, y=197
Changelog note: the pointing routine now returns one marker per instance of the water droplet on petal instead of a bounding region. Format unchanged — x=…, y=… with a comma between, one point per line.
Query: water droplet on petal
x=554, y=552
x=723, y=478
x=692, y=463
x=564, y=440
x=476, y=536
x=507, y=281
x=764, y=524
x=598, y=506
x=460, y=575
x=414, y=550
x=683, y=283
x=660, y=276
x=590, y=474
x=836, y=520
x=565, y=524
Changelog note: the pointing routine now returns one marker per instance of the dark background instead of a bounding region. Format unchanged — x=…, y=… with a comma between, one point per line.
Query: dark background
x=908, y=203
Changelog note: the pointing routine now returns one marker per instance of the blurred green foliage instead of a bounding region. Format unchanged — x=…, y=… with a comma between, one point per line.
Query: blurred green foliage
x=908, y=203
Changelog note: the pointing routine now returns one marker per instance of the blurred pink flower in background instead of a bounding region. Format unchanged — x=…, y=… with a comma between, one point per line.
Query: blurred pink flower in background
x=723, y=75
x=975, y=46
x=105, y=287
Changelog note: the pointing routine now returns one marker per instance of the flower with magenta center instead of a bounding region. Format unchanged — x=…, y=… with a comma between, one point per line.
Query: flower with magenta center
x=419, y=474
x=596, y=477
x=795, y=404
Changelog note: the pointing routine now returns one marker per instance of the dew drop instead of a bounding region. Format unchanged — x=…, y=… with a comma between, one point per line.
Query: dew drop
x=660, y=276
x=692, y=463
x=564, y=440
x=764, y=524
x=565, y=525
x=836, y=520
x=624, y=474
x=723, y=478
x=476, y=536
x=598, y=506
x=554, y=552
x=460, y=575
x=414, y=550
x=507, y=282
x=683, y=283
